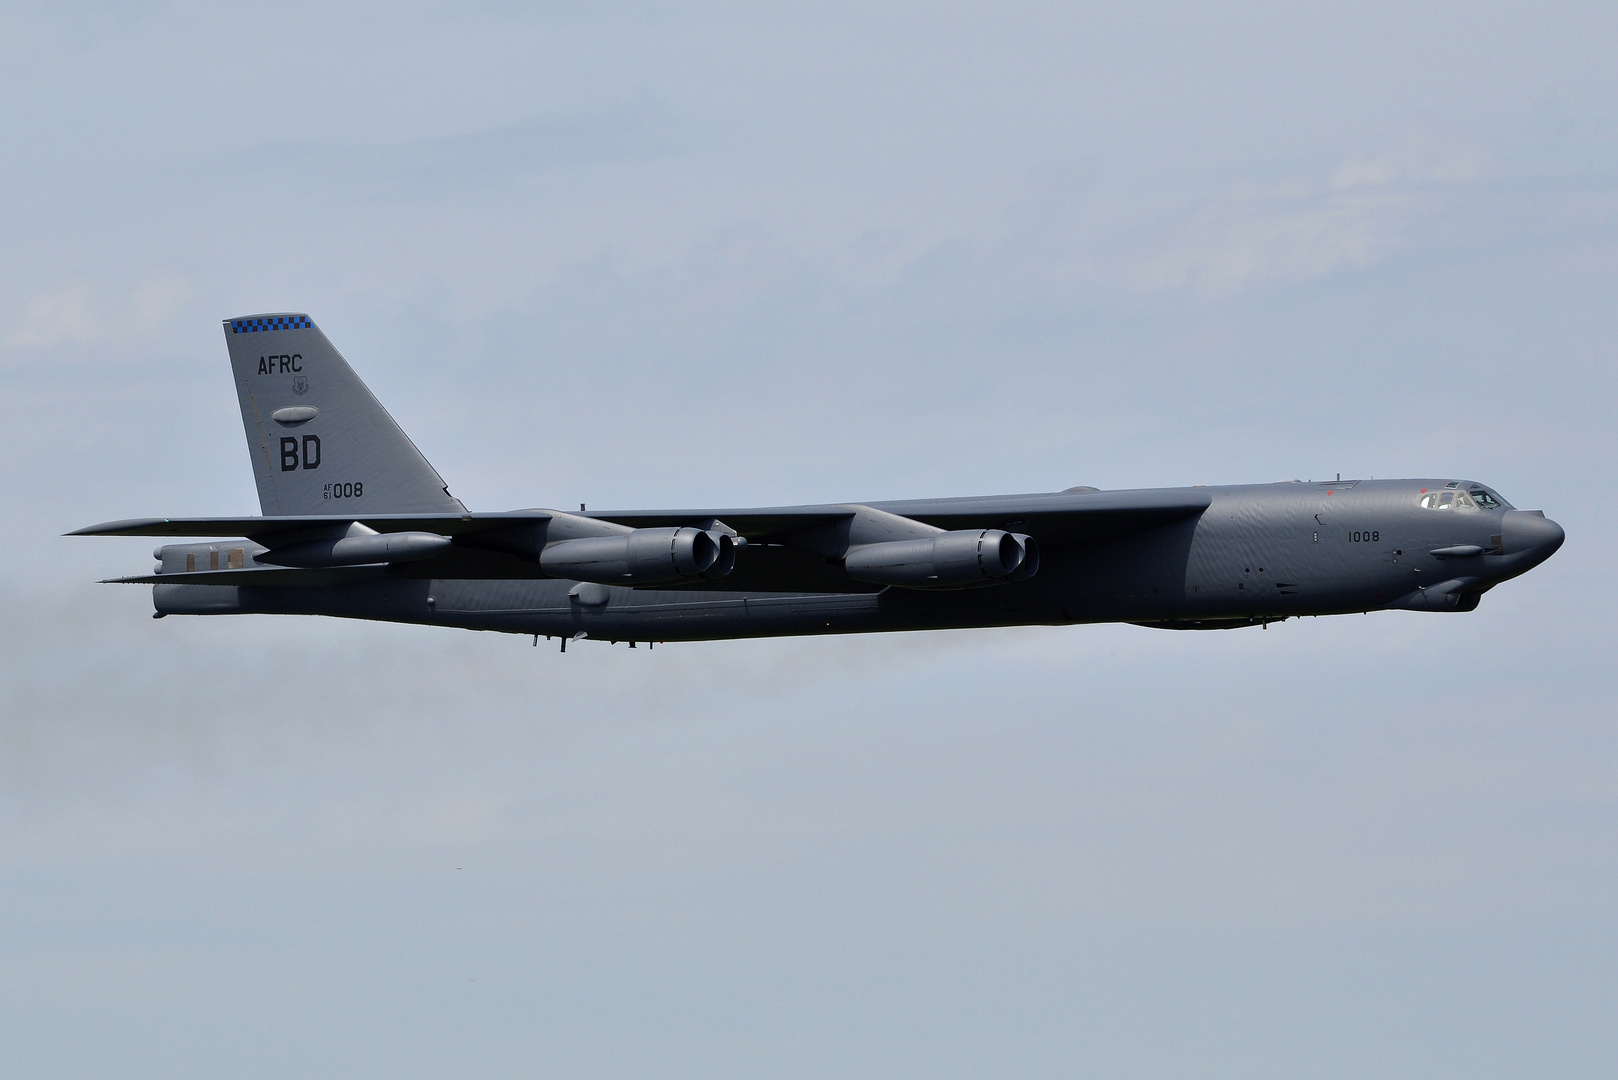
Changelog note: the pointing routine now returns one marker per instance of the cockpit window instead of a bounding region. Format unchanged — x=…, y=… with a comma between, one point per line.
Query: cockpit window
x=1447, y=500
x=1455, y=496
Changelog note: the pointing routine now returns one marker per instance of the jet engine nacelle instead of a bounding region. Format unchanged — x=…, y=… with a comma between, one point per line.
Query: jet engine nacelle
x=642, y=557
x=948, y=560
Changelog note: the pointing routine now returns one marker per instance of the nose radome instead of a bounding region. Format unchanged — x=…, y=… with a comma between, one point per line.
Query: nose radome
x=1530, y=532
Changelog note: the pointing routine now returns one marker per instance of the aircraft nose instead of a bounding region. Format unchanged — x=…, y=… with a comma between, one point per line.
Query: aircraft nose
x=1530, y=533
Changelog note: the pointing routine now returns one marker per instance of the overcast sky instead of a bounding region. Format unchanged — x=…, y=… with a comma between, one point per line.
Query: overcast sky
x=651, y=255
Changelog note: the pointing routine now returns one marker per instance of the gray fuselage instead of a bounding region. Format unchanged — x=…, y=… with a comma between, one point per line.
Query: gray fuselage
x=1256, y=554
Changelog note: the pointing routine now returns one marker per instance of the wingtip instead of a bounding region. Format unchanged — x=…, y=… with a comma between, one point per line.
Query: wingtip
x=112, y=528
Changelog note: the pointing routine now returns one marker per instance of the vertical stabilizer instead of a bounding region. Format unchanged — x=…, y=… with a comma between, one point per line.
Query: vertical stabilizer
x=321, y=443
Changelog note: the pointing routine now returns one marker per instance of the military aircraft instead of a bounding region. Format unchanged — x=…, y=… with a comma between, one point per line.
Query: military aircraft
x=356, y=524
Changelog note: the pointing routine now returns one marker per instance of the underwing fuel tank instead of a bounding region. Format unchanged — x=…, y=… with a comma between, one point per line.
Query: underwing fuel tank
x=357, y=550
x=642, y=557
x=950, y=560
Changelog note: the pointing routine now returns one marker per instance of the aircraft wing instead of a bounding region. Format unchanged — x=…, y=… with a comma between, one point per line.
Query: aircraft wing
x=1058, y=519
x=776, y=562
x=1054, y=519
x=264, y=577
x=1062, y=519
x=259, y=527
x=777, y=558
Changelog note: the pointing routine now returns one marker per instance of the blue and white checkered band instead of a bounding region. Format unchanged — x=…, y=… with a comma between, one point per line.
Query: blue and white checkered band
x=278, y=322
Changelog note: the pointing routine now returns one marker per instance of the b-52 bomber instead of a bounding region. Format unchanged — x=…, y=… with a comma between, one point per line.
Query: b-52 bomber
x=356, y=524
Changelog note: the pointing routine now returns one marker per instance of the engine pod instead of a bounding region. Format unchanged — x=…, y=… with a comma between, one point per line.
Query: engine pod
x=641, y=557
x=954, y=559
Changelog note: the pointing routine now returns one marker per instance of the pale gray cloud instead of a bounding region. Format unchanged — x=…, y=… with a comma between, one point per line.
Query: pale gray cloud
x=858, y=252
x=77, y=314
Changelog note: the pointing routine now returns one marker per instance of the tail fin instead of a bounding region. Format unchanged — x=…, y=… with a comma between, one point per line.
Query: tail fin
x=321, y=443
